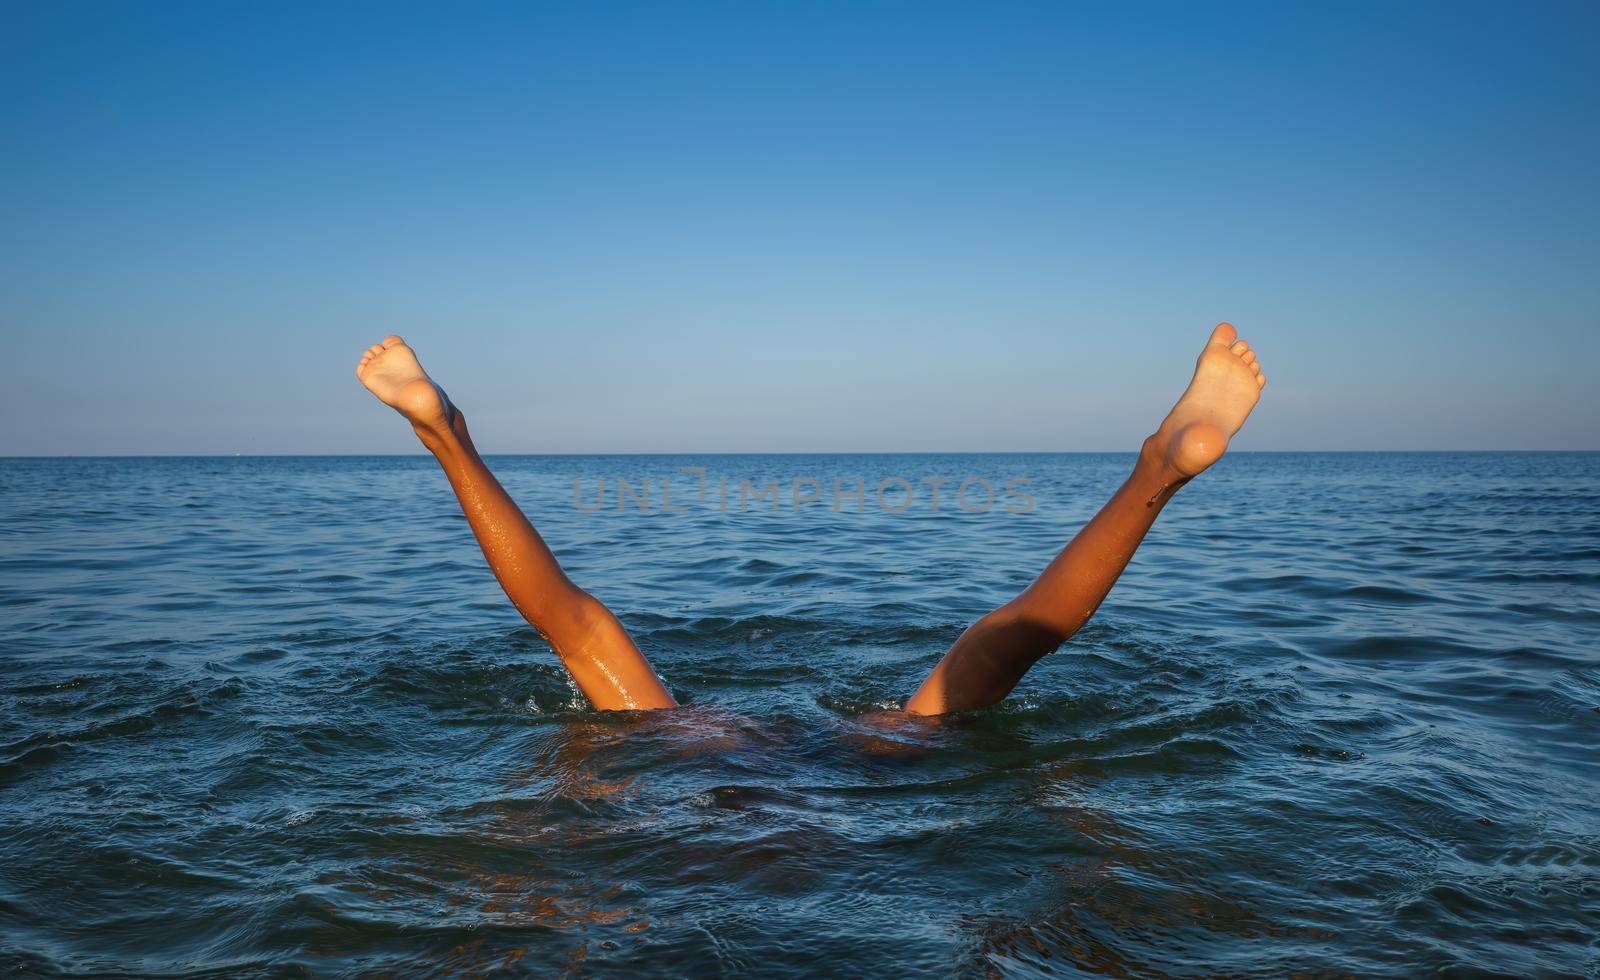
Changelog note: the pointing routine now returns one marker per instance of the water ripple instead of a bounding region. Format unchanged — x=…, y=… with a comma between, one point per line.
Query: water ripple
x=247, y=730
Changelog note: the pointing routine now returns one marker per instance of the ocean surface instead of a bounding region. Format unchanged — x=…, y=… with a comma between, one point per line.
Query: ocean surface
x=273, y=717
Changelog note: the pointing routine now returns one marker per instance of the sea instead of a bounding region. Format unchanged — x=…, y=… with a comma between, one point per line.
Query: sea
x=273, y=717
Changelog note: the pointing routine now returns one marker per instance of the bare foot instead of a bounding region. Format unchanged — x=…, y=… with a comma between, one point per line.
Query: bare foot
x=391, y=371
x=1227, y=383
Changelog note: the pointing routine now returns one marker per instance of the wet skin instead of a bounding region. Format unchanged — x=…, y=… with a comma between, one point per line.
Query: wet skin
x=984, y=663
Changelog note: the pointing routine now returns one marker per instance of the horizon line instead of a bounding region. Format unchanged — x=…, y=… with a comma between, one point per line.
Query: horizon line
x=757, y=452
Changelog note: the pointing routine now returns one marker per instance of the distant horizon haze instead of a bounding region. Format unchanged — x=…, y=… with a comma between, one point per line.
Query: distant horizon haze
x=819, y=452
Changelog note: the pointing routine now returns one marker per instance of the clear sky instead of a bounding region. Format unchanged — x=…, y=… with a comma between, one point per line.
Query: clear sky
x=796, y=227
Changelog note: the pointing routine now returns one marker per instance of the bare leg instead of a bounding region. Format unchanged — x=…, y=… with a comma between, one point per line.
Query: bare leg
x=591, y=643
x=988, y=660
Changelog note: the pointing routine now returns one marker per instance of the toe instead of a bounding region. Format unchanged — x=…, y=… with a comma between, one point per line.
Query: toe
x=1238, y=348
x=1249, y=357
x=1224, y=334
x=393, y=340
x=1261, y=381
x=1255, y=367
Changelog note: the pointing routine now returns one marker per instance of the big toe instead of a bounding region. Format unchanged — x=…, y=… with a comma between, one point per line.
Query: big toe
x=1224, y=334
x=393, y=340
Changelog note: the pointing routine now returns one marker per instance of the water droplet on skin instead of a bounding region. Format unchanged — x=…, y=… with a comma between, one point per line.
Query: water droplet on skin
x=1157, y=495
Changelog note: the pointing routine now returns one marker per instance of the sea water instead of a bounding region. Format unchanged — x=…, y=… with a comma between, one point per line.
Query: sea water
x=273, y=716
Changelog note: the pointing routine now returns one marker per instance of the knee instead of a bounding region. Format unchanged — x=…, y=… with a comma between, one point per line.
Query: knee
x=581, y=621
x=565, y=616
x=1022, y=636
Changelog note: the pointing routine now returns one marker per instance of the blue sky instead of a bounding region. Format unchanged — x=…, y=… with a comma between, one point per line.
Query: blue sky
x=808, y=227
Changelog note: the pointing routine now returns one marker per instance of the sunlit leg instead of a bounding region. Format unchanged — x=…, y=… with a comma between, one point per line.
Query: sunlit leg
x=592, y=644
x=988, y=660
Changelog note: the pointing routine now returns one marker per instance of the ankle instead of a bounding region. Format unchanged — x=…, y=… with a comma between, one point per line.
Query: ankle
x=440, y=436
x=1155, y=479
x=1155, y=460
